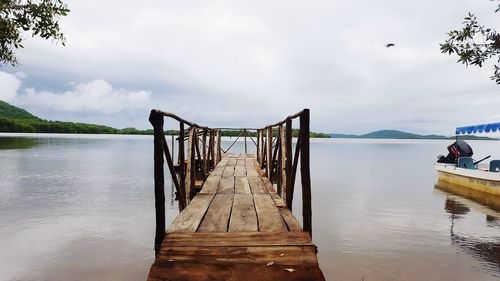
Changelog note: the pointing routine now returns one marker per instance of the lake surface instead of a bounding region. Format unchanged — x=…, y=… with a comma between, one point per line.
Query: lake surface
x=81, y=207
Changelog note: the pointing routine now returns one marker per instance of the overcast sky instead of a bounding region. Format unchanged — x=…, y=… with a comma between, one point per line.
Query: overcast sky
x=250, y=63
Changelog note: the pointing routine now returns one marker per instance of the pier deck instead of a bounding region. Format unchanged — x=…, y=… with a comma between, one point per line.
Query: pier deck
x=236, y=228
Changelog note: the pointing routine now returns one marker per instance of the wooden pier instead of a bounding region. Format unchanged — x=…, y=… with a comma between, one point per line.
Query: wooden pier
x=239, y=226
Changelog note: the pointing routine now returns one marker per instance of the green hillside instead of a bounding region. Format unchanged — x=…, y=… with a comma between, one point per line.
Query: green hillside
x=17, y=120
x=9, y=111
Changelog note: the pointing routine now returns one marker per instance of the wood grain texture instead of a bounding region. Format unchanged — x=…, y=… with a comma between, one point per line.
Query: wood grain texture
x=211, y=184
x=241, y=185
x=226, y=185
x=228, y=171
x=190, y=218
x=176, y=271
x=193, y=239
x=257, y=185
x=217, y=217
x=240, y=171
x=243, y=216
x=240, y=255
x=268, y=215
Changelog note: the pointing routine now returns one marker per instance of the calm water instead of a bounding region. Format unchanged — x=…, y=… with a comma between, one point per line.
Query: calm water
x=81, y=208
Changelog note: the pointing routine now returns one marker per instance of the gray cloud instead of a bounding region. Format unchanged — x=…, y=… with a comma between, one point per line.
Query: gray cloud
x=235, y=63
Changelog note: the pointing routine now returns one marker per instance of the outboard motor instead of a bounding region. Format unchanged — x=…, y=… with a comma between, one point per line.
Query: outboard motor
x=456, y=150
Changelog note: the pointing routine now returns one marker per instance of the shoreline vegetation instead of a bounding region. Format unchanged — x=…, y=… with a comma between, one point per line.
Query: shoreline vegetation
x=17, y=120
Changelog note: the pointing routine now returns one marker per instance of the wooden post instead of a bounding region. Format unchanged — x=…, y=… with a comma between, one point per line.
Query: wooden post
x=198, y=154
x=217, y=148
x=190, y=165
x=259, y=146
x=269, y=147
x=173, y=147
x=182, y=163
x=283, y=164
x=205, y=156
x=278, y=152
x=245, y=137
x=211, y=156
x=156, y=119
x=275, y=155
x=305, y=173
x=170, y=164
x=288, y=163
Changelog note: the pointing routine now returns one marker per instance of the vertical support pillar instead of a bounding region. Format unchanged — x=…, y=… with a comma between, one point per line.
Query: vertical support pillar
x=190, y=165
x=305, y=172
x=288, y=163
x=216, y=147
x=182, y=163
x=205, y=155
x=245, y=137
x=257, y=152
x=269, y=149
x=156, y=119
x=283, y=167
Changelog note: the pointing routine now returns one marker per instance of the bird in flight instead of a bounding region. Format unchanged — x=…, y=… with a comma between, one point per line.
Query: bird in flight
x=390, y=45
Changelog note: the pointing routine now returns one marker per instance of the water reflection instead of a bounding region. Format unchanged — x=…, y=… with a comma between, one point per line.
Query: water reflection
x=18, y=143
x=485, y=248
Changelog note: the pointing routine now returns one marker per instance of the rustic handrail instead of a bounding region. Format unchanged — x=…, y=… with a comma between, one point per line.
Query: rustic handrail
x=274, y=153
x=273, y=150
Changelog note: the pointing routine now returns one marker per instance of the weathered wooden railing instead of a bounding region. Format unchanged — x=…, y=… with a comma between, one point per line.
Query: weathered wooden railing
x=274, y=151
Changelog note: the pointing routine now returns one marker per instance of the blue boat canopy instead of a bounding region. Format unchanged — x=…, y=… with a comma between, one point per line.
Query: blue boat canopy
x=484, y=128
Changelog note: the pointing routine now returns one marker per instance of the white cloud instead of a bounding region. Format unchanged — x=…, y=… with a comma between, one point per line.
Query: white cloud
x=94, y=96
x=9, y=84
x=260, y=61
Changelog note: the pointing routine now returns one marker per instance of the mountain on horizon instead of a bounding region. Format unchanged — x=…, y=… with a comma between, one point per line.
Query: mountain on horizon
x=395, y=134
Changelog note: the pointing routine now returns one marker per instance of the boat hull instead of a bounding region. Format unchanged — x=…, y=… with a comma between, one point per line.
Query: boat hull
x=477, y=180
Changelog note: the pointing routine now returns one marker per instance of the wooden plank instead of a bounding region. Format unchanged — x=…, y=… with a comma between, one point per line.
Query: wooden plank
x=217, y=217
x=231, y=162
x=251, y=155
x=175, y=271
x=218, y=171
x=292, y=255
x=249, y=164
x=256, y=185
x=228, y=171
x=291, y=222
x=226, y=185
x=268, y=185
x=241, y=185
x=267, y=214
x=252, y=173
x=193, y=239
x=240, y=162
x=243, y=216
x=240, y=171
x=211, y=184
x=189, y=219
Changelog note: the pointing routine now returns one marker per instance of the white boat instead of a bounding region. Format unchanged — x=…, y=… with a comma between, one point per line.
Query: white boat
x=475, y=179
x=459, y=169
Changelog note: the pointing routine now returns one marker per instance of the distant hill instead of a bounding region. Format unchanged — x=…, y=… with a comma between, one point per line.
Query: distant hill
x=17, y=120
x=10, y=111
x=395, y=134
